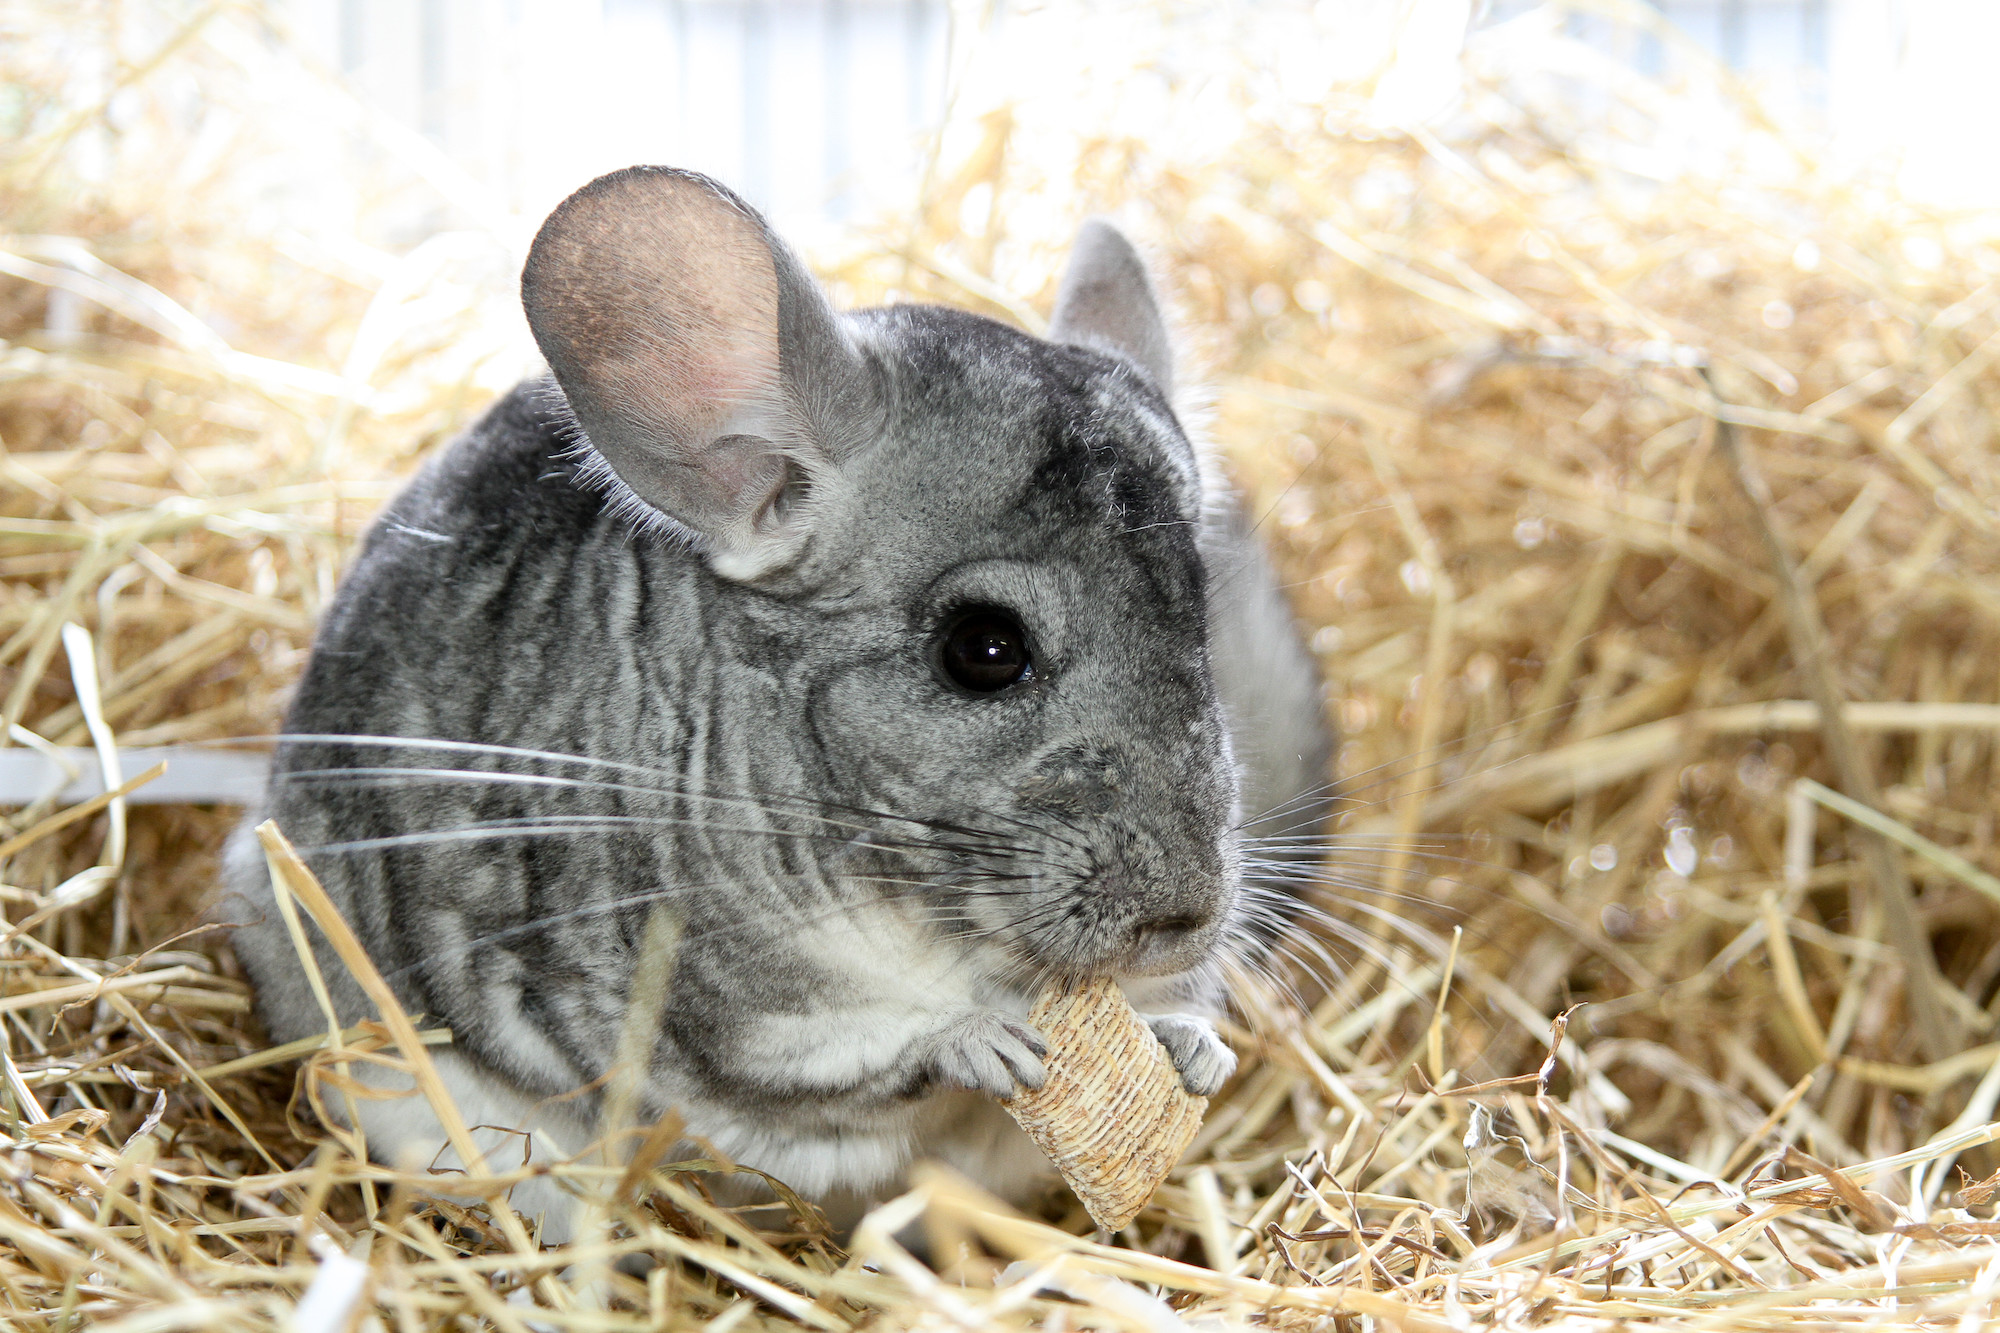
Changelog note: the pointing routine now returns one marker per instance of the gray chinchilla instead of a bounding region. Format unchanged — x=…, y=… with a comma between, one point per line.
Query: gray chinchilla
x=907, y=660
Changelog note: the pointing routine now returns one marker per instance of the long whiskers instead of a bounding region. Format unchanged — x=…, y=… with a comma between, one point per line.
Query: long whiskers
x=656, y=781
x=1311, y=902
x=555, y=825
x=937, y=913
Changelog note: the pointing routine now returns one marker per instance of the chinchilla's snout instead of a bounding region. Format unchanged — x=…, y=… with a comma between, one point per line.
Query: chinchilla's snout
x=1162, y=909
x=1160, y=866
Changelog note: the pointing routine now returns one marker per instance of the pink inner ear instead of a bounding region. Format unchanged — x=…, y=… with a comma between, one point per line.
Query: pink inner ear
x=705, y=295
x=663, y=301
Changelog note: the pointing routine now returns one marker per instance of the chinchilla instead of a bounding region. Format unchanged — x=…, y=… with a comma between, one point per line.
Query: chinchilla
x=905, y=659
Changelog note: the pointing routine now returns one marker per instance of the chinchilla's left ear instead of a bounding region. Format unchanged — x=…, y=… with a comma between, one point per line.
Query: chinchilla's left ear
x=1107, y=302
x=700, y=357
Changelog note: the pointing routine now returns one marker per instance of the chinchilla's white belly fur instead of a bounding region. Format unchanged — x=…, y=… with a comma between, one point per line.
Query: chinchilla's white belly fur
x=845, y=1174
x=845, y=1169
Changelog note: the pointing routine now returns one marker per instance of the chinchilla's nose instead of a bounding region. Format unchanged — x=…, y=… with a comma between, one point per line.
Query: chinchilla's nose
x=1178, y=926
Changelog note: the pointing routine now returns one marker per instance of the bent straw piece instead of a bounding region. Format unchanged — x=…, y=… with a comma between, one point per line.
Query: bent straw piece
x=1896, y=831
x=304, y=886
x=62, y=819
x=1114, y=1116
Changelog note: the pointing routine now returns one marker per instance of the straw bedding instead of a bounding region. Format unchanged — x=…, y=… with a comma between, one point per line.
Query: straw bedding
x=1650, y=987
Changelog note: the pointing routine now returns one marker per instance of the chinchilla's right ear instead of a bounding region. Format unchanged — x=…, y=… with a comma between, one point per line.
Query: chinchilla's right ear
x=700, y=357
x=1106, y=301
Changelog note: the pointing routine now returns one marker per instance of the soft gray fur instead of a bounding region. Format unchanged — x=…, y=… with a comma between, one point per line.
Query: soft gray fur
x=695, y=667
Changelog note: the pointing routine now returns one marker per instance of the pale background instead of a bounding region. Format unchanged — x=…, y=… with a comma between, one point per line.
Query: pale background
x=819, y=110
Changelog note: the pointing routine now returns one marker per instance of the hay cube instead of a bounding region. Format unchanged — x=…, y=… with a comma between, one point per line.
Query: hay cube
x=1114, y=1115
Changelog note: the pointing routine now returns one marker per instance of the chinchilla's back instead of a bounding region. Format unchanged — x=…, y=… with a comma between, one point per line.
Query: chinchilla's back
x=897, y=657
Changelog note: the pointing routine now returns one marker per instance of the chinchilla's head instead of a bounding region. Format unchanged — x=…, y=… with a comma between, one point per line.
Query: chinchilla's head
x=965, y=558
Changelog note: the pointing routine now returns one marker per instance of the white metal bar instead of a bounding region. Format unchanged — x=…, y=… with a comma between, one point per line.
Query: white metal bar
x=194, y=776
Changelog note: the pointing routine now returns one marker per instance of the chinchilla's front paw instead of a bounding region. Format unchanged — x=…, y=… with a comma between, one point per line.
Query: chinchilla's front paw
x=1205, y=1063
x=991, y=1053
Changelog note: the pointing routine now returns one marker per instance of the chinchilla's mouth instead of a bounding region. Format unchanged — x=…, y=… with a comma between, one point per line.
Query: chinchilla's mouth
x=1154, y=949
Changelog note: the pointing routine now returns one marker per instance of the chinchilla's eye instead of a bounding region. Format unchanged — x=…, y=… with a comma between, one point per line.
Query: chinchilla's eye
x=984, y=650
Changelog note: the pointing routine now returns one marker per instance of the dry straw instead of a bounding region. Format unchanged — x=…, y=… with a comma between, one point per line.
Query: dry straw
x=1648, y=537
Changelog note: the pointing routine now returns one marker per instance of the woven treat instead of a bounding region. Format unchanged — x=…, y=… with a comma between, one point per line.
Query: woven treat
x=1114, y=1116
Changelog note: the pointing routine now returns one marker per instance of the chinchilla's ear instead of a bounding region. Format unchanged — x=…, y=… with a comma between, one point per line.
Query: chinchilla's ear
x=1106, y=301
x=699, y=356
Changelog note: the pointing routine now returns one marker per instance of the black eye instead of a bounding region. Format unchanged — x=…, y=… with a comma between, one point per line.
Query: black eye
x=985, y=650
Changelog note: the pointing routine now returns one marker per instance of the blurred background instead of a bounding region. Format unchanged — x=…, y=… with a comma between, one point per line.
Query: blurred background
x=363, y=128
x=818, y=110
